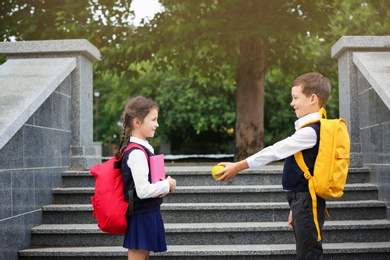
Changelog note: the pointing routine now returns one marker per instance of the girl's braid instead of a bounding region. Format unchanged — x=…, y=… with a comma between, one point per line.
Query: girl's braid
x=118, y=150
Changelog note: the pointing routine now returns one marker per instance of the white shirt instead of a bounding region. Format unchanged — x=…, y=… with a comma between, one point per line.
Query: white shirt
x=302, y=139
x=139, y=167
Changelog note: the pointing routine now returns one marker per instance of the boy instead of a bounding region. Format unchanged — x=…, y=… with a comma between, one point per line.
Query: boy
x=309, y=93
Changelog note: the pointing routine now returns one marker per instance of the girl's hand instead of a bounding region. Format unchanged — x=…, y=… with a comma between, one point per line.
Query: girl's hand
x=172, y=184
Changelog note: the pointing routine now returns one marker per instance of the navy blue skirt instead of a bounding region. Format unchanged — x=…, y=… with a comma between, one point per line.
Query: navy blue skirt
x=146, y=231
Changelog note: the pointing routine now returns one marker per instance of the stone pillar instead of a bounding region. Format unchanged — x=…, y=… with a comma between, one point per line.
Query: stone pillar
x=343, y=50
x=82, y=150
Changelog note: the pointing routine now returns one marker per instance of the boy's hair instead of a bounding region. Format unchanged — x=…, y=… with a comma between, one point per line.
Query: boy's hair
x=136, y=107
x=314, y=83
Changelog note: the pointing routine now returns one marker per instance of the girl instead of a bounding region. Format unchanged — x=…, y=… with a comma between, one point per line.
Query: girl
x=145, y=231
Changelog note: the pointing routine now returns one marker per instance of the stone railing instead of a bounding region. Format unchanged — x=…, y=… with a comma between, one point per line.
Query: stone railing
x=45, y=128
x=364, y=89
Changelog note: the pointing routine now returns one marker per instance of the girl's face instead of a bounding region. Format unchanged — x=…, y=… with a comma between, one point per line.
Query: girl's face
x=302, y=104
x=148, y=127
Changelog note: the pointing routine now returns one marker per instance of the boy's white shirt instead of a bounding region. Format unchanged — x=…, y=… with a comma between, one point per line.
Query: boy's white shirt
x=302, y=139
x=139, y=167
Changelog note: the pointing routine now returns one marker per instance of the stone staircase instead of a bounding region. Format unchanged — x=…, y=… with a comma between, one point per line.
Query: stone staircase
x=245, y=218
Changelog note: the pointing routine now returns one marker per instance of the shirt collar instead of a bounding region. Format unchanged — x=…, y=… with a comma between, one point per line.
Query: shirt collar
x=142, y=142
x=303, y=120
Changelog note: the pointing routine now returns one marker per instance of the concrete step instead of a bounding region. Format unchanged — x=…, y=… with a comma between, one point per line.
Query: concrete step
x=224, y=212
x=245, y=218
x=266, y=211
x=266, y=175
x=201, y=176
x=225, y=233
x=227, y=193
x=339, y=251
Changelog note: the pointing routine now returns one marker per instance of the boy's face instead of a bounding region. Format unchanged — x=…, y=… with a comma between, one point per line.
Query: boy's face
x=302, y=104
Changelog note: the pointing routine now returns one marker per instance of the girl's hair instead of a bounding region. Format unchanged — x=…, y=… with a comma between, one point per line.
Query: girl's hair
x=136, y=107
x=314, y=83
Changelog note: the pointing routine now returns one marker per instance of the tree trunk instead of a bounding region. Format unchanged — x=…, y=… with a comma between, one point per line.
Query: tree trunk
x=250, y=98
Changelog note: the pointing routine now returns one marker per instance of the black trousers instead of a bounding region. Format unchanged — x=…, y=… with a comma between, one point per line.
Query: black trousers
x=307, y=246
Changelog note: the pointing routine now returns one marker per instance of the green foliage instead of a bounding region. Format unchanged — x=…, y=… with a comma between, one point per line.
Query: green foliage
x=2, y=58
x=187, y=109
x=356, y=17
x=202, y=40
x=202, y=37
x=191, y=50
x=97, y=20
x=104, y=23
x=352, y=17
x=279, y=115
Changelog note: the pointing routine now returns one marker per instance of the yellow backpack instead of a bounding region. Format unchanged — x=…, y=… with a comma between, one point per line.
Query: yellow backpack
x=331, y=166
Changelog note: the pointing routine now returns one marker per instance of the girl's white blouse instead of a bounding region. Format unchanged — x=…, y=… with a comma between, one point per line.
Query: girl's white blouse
x=139, y=167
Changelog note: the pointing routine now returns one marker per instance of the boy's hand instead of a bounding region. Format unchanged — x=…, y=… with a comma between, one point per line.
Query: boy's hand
x=289, y=221
x=230, y=170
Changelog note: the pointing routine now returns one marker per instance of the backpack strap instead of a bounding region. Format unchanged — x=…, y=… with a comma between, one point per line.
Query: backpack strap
x=135, y=145
x=302, y=165
x=118, y=163
x=129, y=197
x=306, y=173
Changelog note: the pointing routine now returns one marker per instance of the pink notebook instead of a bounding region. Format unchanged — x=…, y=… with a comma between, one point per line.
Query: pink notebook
x=157, y=168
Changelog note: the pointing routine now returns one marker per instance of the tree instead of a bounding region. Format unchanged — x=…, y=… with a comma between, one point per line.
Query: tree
x=230, y=40
x=104, y=23
x=204, y=48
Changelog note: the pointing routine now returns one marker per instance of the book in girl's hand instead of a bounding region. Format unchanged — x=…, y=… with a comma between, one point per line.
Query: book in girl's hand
x=157, y=168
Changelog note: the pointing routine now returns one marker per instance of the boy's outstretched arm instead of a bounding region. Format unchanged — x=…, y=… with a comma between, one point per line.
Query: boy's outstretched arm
x=231, y=170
